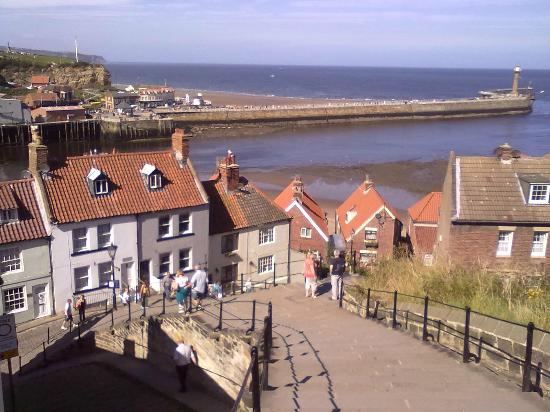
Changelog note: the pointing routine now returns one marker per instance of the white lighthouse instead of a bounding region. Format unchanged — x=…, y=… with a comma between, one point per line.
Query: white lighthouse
x=515, y=81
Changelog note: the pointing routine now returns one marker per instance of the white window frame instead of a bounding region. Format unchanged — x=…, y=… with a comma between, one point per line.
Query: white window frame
x=266, y=264
x=543, y=243
x=88, y=286
x=100, y=234
x=101, y=186
x=189, y=229
x=87, y=246
x=506, y=249
x=169, y=262
x=189, y=259
x=24, y=297
x=267, y=235
x=370, y=229
x=155, y=181
x=8, y=215
x=305, y=232
x=546, y=196
x=100, y=272
x=12, y=255
x=169, y=234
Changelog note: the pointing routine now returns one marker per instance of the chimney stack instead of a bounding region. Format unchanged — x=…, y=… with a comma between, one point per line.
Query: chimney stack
x=180, y=145
x=38, y=153
x=298, y=188
x=368, y=182
x=505, y=153
x=229, y=172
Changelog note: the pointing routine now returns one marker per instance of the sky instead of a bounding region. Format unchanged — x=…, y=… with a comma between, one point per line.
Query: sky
x=403, y=33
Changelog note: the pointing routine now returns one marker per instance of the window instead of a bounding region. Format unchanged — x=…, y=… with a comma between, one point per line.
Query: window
x=504, y=246
x=371, y=235
x=8, y=215
x=185, y=259
x=15, y=300
x=104, y=235
x=80, y=239
x=105, y=274
x=539, y=194
x=229, y=274
x=164, y=226
x=539, y=244
x=184, y=223
x=265, y=264
x=81, y=278
x=155, y=181
x=230, y=243
x=101, y=187
x=10, y=260
x=266, y=235
x=164, y=263
x=305, y=232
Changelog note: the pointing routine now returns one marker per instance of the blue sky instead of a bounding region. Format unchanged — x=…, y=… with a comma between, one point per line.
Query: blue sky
x=410, y=33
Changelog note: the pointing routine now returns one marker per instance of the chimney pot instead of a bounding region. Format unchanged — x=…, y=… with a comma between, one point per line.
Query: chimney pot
x=38, y=153
x=368, y=182
x=298, y=188
x=180, y=145
x=506, y=153
x=229, y=172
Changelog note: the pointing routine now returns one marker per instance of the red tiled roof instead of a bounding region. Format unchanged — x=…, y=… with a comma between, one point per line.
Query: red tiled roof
x=286, y=197
x=36, y=96
x=426, y=210
x=30, y=225
x=40, y=79
x=71, y=200
x=424, y=239
x=245, y=207
x=365, y=204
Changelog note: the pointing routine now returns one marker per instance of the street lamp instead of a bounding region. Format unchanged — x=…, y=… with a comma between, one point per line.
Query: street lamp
x=111, y=250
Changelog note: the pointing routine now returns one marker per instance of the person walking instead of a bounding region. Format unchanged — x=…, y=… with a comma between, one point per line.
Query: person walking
x=167, y=285
x=183, y=286
x=81, y=307
x=184, y=356
x=68, y=312
x=199, y=284
x=309, y=275
x=144, y=292
x=336, y=269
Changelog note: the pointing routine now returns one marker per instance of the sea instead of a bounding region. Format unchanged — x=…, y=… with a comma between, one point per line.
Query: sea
x=340, y=145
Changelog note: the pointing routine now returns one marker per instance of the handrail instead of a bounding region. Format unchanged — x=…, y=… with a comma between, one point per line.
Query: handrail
x=243, y=386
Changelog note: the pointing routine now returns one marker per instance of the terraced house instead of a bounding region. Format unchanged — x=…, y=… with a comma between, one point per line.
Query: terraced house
x=150, y=207
x=496, y=210
x=249, y=234
x=26, y=286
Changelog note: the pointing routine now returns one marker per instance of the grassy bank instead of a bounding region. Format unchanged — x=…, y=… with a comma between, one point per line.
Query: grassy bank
x=509, y=298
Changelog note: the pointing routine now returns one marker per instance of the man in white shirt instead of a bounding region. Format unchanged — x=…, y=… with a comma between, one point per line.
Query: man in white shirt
x=199, y=282
x=68, y=312
x=183, y=357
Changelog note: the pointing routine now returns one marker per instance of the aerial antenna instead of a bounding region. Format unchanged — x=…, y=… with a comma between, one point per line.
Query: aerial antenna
x=76, y=49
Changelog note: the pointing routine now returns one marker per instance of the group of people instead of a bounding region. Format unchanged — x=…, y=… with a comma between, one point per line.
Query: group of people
x=312, y=272
x=80, y=306
x=180, y=286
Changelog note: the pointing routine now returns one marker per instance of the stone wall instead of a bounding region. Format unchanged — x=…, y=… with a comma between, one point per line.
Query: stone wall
x=226, y=353
x=503, y=335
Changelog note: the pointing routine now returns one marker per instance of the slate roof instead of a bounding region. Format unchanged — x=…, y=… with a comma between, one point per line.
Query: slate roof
x=426, y=210
x=241, y=208
x=365, y=204
x=71, y=201
x=316, y=212
x=488, y=190
x=21, y=194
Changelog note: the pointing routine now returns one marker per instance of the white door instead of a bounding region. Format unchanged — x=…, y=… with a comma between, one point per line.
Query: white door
x=127, y=276
x=41, y=300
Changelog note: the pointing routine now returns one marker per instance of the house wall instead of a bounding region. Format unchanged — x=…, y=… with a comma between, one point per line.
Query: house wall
x=472, y=244
x=35, y=271
x=388, y=235
x=316, y=243
x=250, y=250
x=152, y=245
x=123, y=235
x=12, y=112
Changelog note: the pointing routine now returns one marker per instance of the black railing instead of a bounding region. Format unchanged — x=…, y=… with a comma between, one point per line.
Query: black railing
x=526, y=364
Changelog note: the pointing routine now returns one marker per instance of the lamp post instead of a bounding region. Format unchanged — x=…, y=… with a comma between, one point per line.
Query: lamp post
x=111, y=250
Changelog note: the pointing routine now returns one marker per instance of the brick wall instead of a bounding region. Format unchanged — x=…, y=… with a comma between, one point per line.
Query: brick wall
x=299, y=243
x=388, y=234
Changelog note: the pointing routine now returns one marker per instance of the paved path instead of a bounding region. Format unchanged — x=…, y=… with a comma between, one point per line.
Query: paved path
x=328, y=359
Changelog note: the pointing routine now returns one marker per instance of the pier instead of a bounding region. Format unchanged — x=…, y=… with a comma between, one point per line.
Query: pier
x=69, y=131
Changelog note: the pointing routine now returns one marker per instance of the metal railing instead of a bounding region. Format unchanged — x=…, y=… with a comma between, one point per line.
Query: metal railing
x=439, y=326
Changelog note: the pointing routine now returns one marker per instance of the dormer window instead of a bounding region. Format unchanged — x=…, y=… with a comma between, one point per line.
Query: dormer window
x=350, y=214
x=539, y=193
x=97, y=182
x=8, y=215
x=151, y=176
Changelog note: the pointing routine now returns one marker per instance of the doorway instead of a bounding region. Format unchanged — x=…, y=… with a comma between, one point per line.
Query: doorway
x=127, y=277
x=41, y=300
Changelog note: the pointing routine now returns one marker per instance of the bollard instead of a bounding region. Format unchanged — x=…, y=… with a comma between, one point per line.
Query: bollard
x=255, y=380
x=220, y=318
x=394, y=314
x=267, y=354
x=367, y=314
x=242, y=283
x=163, y=303
x=466, y=348
x=425, y=320
x=527, y=385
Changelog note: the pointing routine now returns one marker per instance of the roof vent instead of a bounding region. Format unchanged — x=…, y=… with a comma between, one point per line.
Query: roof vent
x=506, y=153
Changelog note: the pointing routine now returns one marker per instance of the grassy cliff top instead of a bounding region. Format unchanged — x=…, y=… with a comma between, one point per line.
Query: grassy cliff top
x=36, y=61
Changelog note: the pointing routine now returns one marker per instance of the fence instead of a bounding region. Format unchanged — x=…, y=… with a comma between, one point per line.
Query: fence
x=404, y=319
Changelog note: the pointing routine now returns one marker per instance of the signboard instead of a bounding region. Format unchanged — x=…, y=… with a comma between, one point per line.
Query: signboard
x=117, y=284
x=8, y=337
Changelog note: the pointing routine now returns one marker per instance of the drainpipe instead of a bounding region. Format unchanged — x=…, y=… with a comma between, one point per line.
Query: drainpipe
x=52, y=287
x=288, y=255
x=138, y=250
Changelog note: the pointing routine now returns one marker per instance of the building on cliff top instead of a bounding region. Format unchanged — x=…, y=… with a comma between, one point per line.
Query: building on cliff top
x=423, y=217
x=38, y=81
x=495, y=211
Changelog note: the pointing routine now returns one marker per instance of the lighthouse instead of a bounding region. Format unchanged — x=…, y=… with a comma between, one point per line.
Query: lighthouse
x=515, y=81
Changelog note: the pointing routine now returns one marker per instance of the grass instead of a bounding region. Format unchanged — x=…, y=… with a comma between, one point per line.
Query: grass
x=520, y=299
x=36, y=61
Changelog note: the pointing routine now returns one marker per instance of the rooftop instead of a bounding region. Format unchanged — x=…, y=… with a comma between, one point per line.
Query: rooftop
x=426, y=210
